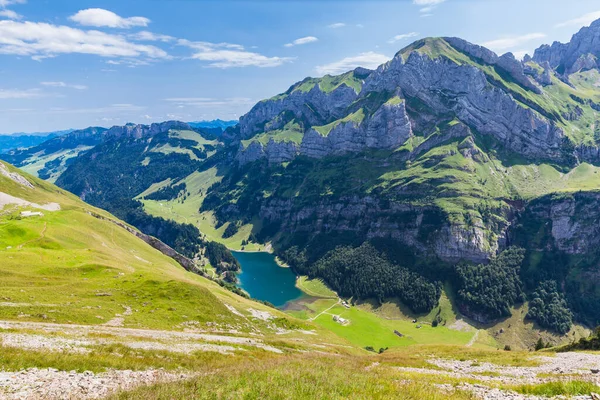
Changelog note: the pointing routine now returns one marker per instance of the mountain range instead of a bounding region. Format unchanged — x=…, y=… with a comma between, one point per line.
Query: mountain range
x=448, y=169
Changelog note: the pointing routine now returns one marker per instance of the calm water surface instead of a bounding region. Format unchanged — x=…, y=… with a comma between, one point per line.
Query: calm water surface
x=263, y=279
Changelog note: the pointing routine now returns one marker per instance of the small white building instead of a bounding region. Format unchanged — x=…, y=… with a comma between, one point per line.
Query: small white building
x=26, y=214
x=340, y=320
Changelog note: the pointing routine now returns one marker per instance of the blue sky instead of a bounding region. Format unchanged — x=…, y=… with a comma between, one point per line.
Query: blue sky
x=72, y=64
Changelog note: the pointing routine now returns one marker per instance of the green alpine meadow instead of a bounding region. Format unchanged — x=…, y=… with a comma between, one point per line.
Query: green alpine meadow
x=418, y=221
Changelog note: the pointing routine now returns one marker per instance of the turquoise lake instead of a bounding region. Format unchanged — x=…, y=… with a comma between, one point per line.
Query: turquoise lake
x=263, y=279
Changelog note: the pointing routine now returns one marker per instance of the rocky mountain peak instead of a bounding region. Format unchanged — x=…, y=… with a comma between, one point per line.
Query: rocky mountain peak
x=581, y=53
x=138, y=131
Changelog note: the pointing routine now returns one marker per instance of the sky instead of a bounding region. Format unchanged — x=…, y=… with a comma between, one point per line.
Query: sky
x=72, y=64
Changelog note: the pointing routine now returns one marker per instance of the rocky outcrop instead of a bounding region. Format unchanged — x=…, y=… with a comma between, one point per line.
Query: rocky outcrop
x=442, y=87
x=274, y=152
x=507, y=62
x=571, y=222
x=388, y=127
x=370, y=217
x=139, y=131
x=580, y=53
x=447, y=88
x=314, y=106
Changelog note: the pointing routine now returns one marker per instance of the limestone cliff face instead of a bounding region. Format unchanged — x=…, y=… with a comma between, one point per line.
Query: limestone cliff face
x=370, y=217
x=139, y=131
x=581, y=53
x=314, y=106
x=571, y=222
x=388, y=127
x=443, y=86
x=463, y=90
x=274, y=152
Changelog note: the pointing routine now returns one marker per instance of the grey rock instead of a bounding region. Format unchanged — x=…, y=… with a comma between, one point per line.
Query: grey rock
x=509, y=63
x=568, y=56
x=139, y=131
x=302, y=105
x=389, y=127
x=463, y=90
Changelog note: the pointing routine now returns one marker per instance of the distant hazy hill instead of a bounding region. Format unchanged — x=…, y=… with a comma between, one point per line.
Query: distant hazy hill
x=217, y=123
x=23, y=140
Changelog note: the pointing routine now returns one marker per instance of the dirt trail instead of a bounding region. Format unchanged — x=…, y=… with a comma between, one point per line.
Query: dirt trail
x=473, y=339
x=42, y=236
x=324, y=311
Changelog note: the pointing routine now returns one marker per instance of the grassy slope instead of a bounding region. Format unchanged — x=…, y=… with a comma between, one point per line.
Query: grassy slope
x=69, y=267
x=291, y=132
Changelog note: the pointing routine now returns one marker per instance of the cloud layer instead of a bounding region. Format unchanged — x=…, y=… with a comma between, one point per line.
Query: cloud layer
x=510, y=42
x=41, y=40
x=370, y=60
x=301, y=41
x=228, y=55
x=99, y=17
x=581, y=21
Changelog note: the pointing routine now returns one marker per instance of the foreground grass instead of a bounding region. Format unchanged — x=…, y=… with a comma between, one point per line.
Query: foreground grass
x=551, y=389
x=297, y=377
x=115, y=356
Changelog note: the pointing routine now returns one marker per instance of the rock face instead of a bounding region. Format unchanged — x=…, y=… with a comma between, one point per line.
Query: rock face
x=139, y=131
x=463, y=90
x=275, y=152
x=389, y=127
x=507, y=62
x=328, y=106
x=441, y=86
x=571, y=222
x=370, y=217
x=581, y=53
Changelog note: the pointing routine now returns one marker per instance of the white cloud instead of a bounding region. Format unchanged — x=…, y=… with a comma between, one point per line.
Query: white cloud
x=584, y=20
x=428, y=2
x=512, y=41
x=41, y=40
x=228, y=55
x=10, y=14
x=520, y=54
x=111, y=109
x=403, y=36
x=427, y=6
x=145, y=36
x=6, y=3
x=20, y=94
x=303, y=40
x=99, y=17
x=337, y=25
x=183, y=102
x=63, y=85
x=368, y=60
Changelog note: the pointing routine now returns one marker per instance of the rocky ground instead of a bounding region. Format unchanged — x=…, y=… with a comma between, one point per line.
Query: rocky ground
x=34, y=384
x=485, y=380
x=551, y=368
